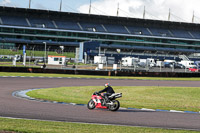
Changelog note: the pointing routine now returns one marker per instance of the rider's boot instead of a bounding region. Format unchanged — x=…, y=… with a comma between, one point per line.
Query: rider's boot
x=108, y=101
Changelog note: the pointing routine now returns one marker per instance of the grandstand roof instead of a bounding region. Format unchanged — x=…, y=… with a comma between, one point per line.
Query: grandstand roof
x=57, y=15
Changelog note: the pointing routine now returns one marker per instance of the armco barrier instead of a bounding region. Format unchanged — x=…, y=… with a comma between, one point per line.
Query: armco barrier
x=100, y=72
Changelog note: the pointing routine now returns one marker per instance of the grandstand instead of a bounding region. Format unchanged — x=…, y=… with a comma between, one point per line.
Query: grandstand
x=136, y=37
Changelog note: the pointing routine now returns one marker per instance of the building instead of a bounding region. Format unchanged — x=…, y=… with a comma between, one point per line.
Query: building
x=130, y=36
x=56, y=60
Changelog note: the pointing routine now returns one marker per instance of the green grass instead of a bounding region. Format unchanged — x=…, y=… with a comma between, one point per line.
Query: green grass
x=20, y=65
x=150, y=97
x=167, y=98
x=35, y=126
x=93, y=76
x=36, y=53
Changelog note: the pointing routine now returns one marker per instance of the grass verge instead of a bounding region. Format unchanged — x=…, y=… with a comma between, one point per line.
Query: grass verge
x=166, y=98
x=36, y=53
x=93, y=76
x=35, y=126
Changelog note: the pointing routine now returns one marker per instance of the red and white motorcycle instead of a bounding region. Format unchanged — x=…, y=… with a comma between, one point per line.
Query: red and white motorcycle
x=98, y=101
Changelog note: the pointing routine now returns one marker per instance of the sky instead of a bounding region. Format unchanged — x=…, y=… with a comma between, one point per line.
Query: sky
x=180, y=10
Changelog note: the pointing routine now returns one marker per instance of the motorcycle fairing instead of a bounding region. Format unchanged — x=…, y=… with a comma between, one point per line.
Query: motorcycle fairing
x=97, y=101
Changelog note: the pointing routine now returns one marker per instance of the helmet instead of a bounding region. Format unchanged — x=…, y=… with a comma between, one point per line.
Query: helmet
x=107, y=84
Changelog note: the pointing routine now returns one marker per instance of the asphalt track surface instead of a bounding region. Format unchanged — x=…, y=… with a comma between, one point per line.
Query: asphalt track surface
x=20, y=108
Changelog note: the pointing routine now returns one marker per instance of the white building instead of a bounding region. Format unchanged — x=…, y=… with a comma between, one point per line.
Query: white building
x=56, y=60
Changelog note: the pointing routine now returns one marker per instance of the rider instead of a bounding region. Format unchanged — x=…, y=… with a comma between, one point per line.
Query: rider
x=109, y=91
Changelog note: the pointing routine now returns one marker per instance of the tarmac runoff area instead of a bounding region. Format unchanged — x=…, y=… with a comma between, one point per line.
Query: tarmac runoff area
x=22, y=94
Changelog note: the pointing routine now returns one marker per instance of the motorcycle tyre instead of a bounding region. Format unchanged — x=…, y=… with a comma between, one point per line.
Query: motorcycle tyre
x=91, y=102
x=110, y=107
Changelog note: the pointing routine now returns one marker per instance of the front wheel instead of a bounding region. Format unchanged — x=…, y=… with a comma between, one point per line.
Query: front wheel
x=91, y=104
x=115, y=105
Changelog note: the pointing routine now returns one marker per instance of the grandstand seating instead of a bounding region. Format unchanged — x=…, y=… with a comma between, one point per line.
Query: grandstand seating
x=97, y=27
x=160, y=32
x=115, y=28
x=14, y=20
x=69, y=25
x=137, y=30
x=181, y=33
x=196, y=34
x=41, y=23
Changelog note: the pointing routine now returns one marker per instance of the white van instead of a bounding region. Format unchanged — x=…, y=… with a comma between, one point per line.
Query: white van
x=129, y=61
x=188, y=64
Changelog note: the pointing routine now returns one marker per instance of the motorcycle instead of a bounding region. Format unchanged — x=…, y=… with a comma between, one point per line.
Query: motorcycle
x=98, y=101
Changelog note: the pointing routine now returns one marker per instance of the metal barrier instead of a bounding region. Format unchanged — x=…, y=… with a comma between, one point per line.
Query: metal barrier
x=100, y=72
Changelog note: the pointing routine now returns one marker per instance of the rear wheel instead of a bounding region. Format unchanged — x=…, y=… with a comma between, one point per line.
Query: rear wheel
x=91, y=104
x=115, y=105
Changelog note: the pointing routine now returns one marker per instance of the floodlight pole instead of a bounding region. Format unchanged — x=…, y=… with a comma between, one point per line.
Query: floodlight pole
x=118, y=10
x=144, y=13
x=29, y=4
x=60, y=5
x=193, y=17
x=169, y=16
x=90, y=7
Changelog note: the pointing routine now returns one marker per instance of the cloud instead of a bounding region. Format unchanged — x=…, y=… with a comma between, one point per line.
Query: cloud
x=5, y=2
x=181, y=10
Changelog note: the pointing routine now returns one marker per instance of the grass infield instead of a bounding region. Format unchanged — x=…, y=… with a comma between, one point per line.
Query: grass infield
x=35, y=126
x=166, y=98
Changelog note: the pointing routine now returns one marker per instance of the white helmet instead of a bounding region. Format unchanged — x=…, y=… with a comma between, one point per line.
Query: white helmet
x=107, y=84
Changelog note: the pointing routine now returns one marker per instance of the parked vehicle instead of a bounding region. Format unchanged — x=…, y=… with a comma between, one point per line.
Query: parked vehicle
x=197, y=63
x=129, y=61
x=168, y=64
x=177, y=65
x=188, y=64
x=18, y=57
x=194, y=69
x=98, y=101
x=147, y=62
x=160, y=63
x=100, y=59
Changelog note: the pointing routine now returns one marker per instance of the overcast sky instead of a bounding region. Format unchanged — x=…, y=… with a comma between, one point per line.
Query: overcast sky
x=181, y=10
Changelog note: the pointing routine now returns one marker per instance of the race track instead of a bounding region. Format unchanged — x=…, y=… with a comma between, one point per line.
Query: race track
x=21, y=108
